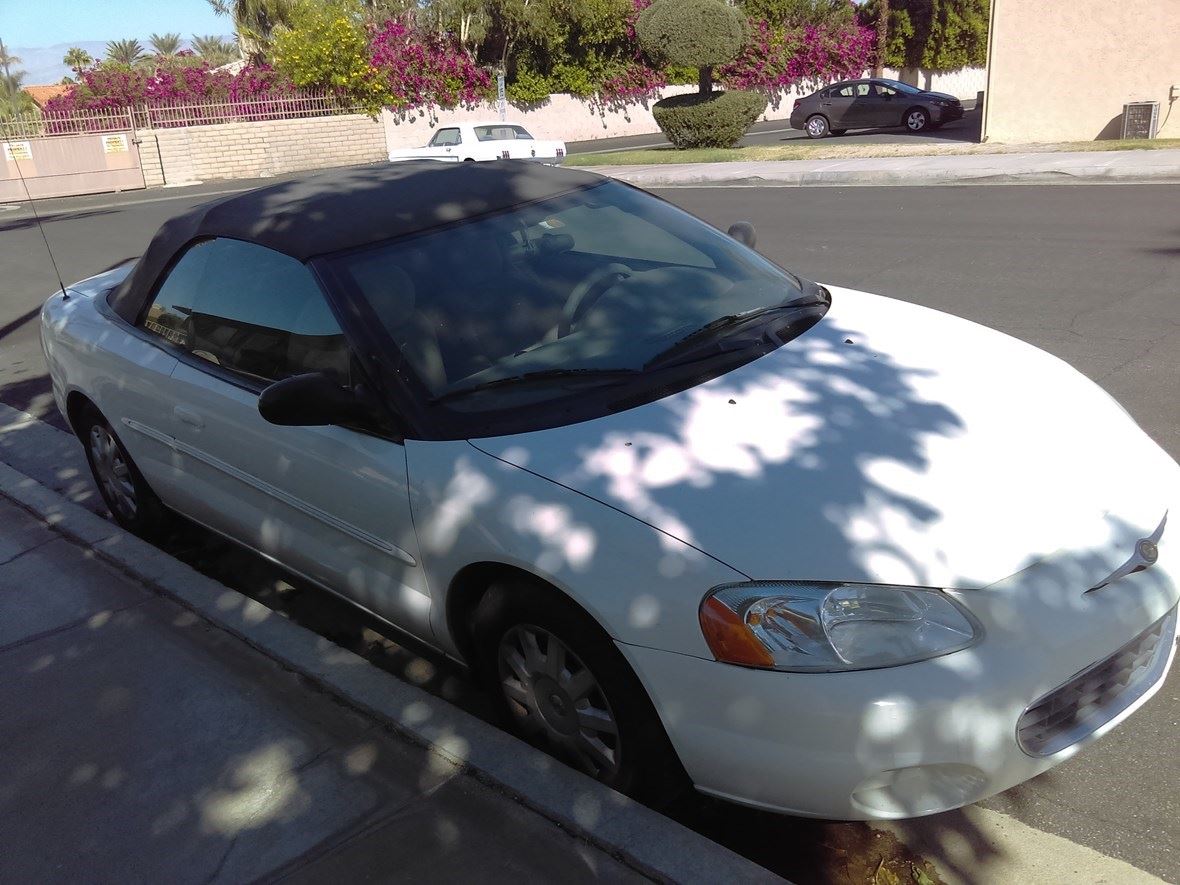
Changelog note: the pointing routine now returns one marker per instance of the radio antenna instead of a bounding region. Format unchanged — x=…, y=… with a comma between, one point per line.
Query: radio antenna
x=41, y=227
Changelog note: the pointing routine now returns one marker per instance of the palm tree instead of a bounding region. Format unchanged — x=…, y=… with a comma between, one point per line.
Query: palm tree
x=255, y=20
x=165, y=44
x=125, y=52
x=77, y=59
x=215, y=50
x=6, y=60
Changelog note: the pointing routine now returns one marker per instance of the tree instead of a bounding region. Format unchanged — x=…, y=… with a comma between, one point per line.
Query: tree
x=77, y=59
x=125, y=52
x=326, y=47
x=216, y=50
x=937, y=35
x=165, y=44
x=800, y=13
x=699, y=34
x=255, y=21
x=13, y=99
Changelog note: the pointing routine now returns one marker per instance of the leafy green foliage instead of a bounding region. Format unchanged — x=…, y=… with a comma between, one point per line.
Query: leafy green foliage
x=938, y=35
x=215, y=50
x=800, y=13
x=125, y=52
x=78, y=59
x=694, y=33
x=529, y=87
x=165, y=44
x=326, y=47
x=717, y=120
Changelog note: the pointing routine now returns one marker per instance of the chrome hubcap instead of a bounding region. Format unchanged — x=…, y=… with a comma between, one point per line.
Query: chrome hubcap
x=916, y=120
x=551, y=692
x=815, y=127
x=112, y=472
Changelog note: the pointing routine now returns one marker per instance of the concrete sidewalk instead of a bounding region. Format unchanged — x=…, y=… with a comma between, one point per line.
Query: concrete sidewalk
x=141, y=744
x=159, y=726
x=1075, y=167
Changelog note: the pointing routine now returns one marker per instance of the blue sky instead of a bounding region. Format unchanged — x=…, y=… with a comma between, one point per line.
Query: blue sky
x=51, y=22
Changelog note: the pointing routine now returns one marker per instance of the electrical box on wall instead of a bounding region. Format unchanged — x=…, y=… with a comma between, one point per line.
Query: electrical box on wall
x=1140, y=119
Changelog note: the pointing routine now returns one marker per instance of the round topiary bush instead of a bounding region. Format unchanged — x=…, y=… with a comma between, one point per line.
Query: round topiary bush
x=698, y=34
x=715, y=120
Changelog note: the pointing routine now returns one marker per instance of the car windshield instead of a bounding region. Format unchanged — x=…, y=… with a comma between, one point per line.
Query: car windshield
x=502, y=132
x=905, y=88
x=601, y=286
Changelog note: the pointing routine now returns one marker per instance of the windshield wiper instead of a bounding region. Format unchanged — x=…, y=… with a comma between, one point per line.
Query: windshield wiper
x=676, y=352
x=610, y=375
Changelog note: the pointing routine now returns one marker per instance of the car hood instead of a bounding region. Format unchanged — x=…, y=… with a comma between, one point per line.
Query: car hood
x=890, y=444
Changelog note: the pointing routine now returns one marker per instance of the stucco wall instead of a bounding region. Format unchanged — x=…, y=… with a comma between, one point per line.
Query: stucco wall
x=1062, y=71
x=250, y=150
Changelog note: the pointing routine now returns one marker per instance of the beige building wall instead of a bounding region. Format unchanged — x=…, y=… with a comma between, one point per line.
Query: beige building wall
x=1061, y=71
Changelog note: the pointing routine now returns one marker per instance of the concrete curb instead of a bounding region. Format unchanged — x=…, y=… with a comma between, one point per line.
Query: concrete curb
x=715, y=175
x=645, y=840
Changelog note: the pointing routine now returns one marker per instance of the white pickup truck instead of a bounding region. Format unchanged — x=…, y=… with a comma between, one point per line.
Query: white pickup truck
x=484, y=141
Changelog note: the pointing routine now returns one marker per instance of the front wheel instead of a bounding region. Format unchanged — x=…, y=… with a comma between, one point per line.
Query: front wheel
x=917, y=120
x=816, y=126
x=125, y=492
x=563, y=685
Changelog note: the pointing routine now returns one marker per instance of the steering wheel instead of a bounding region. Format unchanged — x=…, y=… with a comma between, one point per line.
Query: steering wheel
x=586, y=294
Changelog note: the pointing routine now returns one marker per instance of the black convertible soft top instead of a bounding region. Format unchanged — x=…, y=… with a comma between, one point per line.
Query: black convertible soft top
x=346, y=208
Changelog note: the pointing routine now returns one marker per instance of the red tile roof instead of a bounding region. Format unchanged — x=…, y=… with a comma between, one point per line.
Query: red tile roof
x=42, y=94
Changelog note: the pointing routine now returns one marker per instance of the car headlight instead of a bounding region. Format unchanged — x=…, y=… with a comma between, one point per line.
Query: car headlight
x=808, y=626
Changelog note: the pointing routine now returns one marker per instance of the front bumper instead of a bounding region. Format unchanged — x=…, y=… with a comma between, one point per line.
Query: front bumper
x=916, y=739
x=947, y=115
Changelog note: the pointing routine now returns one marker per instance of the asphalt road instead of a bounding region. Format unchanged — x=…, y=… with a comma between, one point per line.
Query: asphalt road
x=1089, y=273
x=780, y=132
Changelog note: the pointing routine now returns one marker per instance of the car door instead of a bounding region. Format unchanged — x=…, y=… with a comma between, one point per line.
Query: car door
x=330, y=503
x=446, y=141
x=836, y=105
x=889, y=106
x=865, y=111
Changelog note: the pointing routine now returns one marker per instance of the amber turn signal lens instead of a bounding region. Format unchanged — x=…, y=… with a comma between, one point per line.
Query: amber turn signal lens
x=729, y=638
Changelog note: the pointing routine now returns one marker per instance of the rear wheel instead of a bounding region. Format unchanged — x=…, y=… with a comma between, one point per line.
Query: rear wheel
x=125, y=492
x=816, y=126
x=917, y=120
x=562, y=684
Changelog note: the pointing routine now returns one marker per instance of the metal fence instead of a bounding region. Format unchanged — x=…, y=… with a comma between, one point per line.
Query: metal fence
x=39, y=125
x=167, y=115
x=161, y=115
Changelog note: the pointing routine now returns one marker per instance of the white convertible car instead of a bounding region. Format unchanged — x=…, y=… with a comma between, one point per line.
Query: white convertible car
x=693, y=518
x=484, y=141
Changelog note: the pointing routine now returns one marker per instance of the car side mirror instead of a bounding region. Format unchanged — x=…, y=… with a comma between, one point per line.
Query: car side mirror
x=310, y=400
x=744, y=233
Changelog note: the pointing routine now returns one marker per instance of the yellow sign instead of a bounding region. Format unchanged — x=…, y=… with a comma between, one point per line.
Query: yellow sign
x=114, y=144
x=18, y=150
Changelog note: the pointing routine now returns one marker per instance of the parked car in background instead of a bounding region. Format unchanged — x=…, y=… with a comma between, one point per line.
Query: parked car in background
x=872, y=104
x=689, y=515
x=497, y=140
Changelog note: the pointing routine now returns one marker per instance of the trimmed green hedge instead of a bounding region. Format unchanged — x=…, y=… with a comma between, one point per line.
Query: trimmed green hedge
x=691, y=33
x=715, y=120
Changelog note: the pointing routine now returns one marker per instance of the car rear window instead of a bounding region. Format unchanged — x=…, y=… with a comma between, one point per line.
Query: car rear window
x=503, y=132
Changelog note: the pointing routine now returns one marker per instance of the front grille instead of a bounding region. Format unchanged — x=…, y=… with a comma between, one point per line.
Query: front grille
x=1098, y=694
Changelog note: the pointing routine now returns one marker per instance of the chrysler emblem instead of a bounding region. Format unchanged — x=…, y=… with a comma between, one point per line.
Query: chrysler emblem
x=1147, y=551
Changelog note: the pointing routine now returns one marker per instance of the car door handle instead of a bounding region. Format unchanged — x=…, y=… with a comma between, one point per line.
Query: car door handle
x=189, y=417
